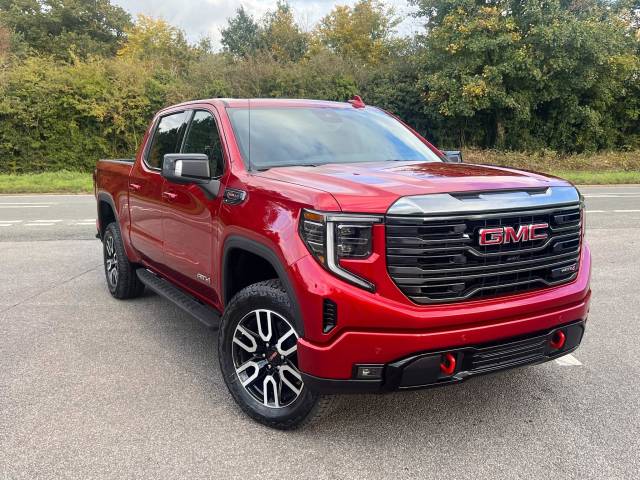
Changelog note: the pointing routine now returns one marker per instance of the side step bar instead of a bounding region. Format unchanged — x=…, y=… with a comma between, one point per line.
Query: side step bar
x=207, y=315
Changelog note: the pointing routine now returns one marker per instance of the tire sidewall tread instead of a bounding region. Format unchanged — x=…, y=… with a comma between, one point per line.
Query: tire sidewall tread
x=272, y=295
x=128, y=286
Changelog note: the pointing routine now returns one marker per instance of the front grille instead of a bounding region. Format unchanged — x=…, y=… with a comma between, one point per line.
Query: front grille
x=436, y=259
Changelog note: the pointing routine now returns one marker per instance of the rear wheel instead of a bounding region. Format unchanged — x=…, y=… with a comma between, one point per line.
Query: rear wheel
x=257, y=349
x=121, y=275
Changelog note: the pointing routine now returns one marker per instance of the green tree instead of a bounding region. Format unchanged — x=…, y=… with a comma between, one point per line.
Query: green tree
x=241, y=36
x=281, y=36
x=534, y=74
x=362, y=32
x=156, y=40
x=67, y=28
x=57, y=115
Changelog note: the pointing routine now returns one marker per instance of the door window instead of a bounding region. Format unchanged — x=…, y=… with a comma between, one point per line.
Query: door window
x=203, y=137
x=166, y=138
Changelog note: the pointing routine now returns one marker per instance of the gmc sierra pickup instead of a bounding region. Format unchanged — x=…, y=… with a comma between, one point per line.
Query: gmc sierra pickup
x=339, y=251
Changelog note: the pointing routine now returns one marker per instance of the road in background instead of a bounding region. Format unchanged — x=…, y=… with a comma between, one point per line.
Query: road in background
x=93, y=387
x=59, y=217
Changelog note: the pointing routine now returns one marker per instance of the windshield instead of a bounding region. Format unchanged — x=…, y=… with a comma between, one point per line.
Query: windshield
x=315, y=136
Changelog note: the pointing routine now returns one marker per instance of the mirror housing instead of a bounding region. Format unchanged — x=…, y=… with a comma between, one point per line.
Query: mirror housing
x=185, y=168
x=453, y=156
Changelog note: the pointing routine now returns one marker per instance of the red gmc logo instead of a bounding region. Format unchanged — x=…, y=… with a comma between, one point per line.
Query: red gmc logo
x=501, y=235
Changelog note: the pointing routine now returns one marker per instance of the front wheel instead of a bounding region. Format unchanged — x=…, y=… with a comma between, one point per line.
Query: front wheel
x=257, y=349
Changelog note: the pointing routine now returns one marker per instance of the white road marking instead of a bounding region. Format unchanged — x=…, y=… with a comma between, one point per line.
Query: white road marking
x=614, y=211
x=612, y=195
x=88, y=220
x=568, y=361
x=45, y=195
x=2, y=205
x=47, y=223
x=28, y=203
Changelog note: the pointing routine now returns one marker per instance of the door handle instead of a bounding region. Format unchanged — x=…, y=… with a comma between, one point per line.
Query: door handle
x=135, y=186
x=169, y=195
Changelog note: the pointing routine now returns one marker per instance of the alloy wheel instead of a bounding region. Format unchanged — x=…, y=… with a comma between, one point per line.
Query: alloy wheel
x=264, y=352
x=111, y=261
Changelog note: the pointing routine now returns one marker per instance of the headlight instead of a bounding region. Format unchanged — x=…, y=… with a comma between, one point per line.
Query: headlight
x=330, y=237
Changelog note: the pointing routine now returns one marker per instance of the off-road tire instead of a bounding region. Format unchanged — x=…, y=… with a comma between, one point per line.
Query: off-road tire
x=125, y=284
x=308, y=406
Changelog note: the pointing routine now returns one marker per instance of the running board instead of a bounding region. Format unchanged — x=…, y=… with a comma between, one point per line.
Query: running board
x=206, y=314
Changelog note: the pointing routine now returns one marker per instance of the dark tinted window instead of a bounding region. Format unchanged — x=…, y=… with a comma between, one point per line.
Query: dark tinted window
x=313, y=136
x=203, y=137
x=166, y=138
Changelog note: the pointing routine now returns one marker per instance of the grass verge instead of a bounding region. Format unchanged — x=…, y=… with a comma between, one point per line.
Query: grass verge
x=595, y=169
x=600, y=168
x=598, y=178
x=47, y=182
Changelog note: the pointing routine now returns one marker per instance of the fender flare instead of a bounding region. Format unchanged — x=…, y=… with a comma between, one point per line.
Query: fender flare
x=107, y=198
x=234, y=242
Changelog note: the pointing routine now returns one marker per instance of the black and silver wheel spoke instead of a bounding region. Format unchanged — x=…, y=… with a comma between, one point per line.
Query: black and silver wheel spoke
x=111, y=261
x=264, y=347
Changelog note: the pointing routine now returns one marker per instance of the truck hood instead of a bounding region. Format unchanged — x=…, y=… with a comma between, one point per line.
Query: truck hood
x=374, y=187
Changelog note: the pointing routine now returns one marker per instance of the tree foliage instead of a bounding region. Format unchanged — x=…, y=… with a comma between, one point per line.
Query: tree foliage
x=241, y=37
x=362, y=32
x=529, y=74
x=66, y=28
x=157, y=41
x=79, y=80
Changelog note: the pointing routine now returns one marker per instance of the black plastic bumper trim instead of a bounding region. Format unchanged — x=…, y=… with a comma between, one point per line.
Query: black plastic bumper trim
x=422, y=370
x=333, y=386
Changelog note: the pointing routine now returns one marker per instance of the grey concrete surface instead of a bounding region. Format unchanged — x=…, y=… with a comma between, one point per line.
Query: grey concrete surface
x=91, y=387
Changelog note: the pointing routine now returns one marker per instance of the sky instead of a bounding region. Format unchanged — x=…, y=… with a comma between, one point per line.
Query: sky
x=205, y=18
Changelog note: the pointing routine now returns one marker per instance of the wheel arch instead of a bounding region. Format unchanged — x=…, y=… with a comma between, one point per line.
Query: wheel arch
x=107, y=212
x=236, y=244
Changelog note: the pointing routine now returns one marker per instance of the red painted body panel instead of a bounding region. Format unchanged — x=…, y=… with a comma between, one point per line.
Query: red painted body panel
x=373, y=187
x=184, y=235
x=374, y=328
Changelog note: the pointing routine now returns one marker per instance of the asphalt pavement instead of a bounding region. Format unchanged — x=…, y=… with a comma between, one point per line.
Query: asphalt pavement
x=92, y=387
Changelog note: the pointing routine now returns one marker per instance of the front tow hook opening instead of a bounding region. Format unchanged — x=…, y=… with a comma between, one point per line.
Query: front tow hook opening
x=557, y=340
x=448, y=364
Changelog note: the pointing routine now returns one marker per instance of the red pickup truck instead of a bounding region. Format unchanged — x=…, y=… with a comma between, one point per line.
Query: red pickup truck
x=339, y=251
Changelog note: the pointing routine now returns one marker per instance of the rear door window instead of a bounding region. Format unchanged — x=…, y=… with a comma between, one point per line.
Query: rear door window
x=166, y=138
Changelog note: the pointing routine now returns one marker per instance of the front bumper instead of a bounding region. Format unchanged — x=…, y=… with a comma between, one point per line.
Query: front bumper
x=424, y=370
x=381, y=328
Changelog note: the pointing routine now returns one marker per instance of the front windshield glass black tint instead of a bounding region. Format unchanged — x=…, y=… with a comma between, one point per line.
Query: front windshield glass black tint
x=316, y=136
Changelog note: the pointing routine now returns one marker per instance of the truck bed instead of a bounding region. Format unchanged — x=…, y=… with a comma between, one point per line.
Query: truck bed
x=112, y=176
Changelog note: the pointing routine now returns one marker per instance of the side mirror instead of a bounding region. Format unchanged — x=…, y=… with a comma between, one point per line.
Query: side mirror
x=186, y=168
x=453, y=156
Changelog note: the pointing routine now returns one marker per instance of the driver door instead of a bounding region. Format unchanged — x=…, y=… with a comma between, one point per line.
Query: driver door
x=190, y=218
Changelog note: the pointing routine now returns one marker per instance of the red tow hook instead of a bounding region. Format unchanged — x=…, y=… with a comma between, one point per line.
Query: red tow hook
x=557, y=340
x=448, y=364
